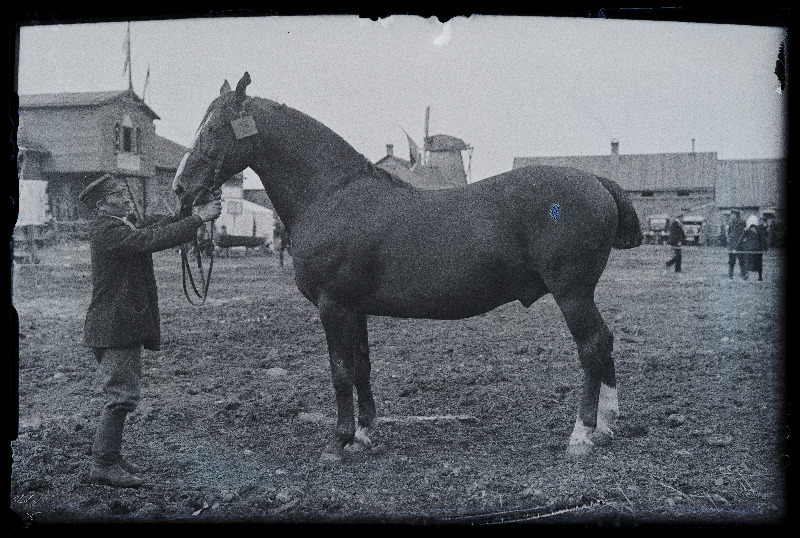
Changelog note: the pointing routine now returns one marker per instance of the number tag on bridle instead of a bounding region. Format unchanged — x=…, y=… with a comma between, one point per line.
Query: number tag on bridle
x=244, y=127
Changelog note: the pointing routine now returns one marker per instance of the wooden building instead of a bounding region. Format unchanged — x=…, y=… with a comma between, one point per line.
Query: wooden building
x=71, y=139
x=658, y=183
x=685, y=183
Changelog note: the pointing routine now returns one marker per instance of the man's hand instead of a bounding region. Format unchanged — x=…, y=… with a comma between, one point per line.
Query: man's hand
x=210, y=211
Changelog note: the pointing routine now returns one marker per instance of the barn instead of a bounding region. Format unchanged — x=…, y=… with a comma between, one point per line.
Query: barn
x=694, y=183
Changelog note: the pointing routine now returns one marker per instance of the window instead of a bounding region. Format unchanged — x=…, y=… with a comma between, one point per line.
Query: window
x=127, y=140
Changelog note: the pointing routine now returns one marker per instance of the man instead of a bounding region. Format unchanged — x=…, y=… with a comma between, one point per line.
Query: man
x=676, y=239
x=735, y=232
x=123, y=316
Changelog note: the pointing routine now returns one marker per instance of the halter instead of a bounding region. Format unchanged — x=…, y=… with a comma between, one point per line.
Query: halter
x=242, y=127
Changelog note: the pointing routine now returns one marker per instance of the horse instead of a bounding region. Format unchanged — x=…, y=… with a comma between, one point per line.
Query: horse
x=357, y=231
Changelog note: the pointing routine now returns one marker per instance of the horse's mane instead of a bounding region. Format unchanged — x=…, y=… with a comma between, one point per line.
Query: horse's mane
x=366, y=166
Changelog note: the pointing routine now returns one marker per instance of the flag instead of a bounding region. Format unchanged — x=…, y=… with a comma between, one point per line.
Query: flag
x=146, y=81
x=413, y=149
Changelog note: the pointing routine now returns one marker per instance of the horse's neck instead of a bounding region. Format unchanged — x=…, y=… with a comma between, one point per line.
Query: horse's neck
x=309, y=164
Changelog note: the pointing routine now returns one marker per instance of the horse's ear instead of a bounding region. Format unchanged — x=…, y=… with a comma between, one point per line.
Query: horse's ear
x=240, y=87
x=226, y=87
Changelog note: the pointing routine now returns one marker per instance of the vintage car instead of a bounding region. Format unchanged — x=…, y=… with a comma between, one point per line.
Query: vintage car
x=656, y=229
x=694, y=228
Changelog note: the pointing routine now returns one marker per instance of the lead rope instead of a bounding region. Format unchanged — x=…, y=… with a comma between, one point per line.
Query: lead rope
x=205, y=279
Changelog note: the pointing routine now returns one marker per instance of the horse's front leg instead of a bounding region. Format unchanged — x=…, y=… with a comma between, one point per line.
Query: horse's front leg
x=340, y=325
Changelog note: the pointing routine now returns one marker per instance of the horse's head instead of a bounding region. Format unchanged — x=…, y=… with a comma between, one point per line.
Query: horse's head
x=220, y=149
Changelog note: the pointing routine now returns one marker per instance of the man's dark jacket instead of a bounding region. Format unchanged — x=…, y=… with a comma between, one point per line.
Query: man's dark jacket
x=735, y=232
x=676, y=235
x=124, y=307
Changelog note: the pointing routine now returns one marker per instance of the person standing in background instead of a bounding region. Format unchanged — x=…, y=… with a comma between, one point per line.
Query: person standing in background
x=734, y=239
x=676, y=239
x=753, y=245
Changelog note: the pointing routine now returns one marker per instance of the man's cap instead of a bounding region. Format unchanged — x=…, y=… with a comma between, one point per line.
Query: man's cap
x=97, y=190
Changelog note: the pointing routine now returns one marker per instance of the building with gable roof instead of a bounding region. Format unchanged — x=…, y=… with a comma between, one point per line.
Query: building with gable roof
x=71, y=139
x=696, y=183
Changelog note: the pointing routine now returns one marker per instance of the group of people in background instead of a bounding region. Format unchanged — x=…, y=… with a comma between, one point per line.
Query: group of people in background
x=746, y=242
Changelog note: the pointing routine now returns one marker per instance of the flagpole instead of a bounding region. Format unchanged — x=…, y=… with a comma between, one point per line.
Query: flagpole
x=146, y=82
x=130, y=66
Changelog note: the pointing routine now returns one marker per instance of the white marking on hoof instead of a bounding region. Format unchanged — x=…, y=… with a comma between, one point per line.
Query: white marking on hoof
x=603, y=427
x=608, y=404
x=601, y=436
x=362, y=437
x=580, y=442
x=355, y=446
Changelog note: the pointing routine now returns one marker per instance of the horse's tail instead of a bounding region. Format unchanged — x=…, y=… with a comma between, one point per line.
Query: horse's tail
x=629, y=233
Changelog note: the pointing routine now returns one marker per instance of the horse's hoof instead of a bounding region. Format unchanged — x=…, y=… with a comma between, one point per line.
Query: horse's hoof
x=355, y=446
x=602, y=438
x=602, y=434
x=362, y=436
x=579, y=450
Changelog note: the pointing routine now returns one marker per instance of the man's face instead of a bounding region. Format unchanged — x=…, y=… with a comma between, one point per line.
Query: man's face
x=116, y=202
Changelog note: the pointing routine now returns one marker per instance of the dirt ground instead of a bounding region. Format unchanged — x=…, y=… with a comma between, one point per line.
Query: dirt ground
x=238, y=405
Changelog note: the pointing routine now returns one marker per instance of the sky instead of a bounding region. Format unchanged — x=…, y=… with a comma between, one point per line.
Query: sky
x=507, y=86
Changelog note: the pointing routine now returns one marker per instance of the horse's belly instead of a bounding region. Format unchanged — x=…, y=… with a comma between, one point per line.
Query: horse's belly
x=432, y=288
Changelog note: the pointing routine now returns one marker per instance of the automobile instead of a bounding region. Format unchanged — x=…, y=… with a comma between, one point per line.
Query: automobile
x=694, y=228
x=657, y=229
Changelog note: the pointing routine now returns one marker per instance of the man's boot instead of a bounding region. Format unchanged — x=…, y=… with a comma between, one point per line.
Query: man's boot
x=129, y=467
x=113, y=475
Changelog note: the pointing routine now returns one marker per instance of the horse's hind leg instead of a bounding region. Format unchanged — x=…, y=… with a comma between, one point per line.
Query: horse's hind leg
x=363, y=367
x=340, y=325
x=595, y=343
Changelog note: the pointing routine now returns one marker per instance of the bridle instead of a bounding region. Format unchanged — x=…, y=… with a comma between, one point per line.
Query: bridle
x=204, y=195
x=242, y=127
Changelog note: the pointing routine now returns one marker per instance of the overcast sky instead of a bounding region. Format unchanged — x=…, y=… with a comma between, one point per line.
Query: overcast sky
x=508, y=86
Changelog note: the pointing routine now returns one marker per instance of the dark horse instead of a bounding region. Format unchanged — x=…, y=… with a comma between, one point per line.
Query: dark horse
x=356, y=232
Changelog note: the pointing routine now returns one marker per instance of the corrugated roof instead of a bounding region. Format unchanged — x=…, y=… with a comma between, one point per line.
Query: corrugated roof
x=78, y=99
x=654, y=171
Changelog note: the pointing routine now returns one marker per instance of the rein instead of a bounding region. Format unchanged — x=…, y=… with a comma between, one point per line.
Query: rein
x=186, y=270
